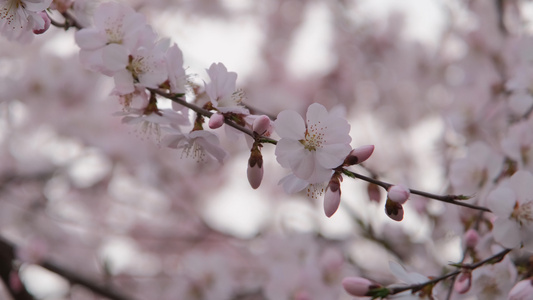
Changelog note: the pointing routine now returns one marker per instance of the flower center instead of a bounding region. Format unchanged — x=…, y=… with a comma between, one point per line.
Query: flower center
x=314, y=137
x=137, y=66
x=523, y=214
x=194, y=150
x=114, y=31
x=9, y=9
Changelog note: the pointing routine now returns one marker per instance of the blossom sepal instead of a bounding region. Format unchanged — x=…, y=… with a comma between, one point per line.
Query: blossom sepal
x=394, y=210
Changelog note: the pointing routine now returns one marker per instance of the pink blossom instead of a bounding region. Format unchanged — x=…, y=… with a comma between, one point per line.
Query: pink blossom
x=512, y=204
x=312, y=149
x=19, y=17
x=116, y=25
x=196, y=144
x=40, y=29
x=176, y=73
x=523, y=290
x=222, y=90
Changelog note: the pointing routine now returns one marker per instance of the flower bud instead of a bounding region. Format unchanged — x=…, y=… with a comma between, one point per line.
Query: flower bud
x=46, y=19
x=394, y=210
x=262, y=125
x=216, y=120
x=255, y=167
x=359, y=155
x=471, y=238
x=357, y=286
x=398, y=194
x=332, y=198
x=463, y=282
x=522, y=290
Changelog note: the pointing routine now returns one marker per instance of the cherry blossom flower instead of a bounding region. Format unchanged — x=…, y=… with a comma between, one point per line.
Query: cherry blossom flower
x=196, y=144
x=19, y=17
x=176, y=73
x=512, y=203
x=144, y=66
x=493, y=281
x=222, y=90
x=475, y=171
x=115, y=25
x=312, y=148
x=518, y=144
x=523, y=290
x=149, y=124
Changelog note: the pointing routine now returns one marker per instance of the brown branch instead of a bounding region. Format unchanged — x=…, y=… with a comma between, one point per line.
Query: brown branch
x=7, y=250
x=452, y=199
x=417, y=287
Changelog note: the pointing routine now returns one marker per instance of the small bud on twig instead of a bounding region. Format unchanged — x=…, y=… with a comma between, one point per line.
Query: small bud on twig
x=358, y=286
x=262, y=125
x=216, y=120
x=255, y=167
x=332, y=198
x=398, y=194
x=359, y=155
x=47, y=21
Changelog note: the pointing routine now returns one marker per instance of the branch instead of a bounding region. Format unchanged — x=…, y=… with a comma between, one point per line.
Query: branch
x=206, y=113
x=452, y=199
x=417, y=287
x=74, y=278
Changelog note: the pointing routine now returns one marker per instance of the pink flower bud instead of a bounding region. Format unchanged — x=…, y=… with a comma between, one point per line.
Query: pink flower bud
x=255, y=167
x=262, y=125
x=332, y=200
x=216, y=120
x=471, y=238
x=523, y=290
x=357, y=286
x=394, y=210
x=255, y=175
x=398, y=194
x=46, y=18
x=359, y=155
x=463, y=282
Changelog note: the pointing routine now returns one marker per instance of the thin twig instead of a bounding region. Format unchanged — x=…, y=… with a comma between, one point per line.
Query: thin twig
x=452, y=199
x=71, y=276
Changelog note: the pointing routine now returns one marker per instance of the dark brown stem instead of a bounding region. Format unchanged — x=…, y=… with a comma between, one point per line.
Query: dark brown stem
x=207, y=113
x=417, y=287
x=452, y=199
x=7, y=250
